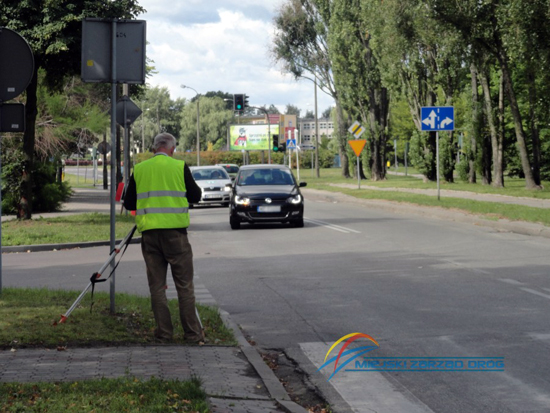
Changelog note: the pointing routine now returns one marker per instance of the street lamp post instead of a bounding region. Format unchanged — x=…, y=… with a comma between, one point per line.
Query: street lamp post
x=268, y=131
x=198, y=125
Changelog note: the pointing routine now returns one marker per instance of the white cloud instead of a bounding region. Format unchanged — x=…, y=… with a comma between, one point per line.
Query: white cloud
x=221, y=45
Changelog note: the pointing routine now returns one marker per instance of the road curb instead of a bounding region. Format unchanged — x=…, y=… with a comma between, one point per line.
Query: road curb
x=67, y=246
x=504, y=225
x=272, y=383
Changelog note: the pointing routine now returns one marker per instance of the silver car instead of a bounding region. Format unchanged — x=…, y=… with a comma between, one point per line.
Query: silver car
x=212, y=181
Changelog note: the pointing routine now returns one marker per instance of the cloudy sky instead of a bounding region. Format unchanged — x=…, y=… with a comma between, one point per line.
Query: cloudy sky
x=222, y=45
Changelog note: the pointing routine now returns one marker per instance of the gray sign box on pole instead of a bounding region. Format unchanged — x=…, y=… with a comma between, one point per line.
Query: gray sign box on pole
x=96, y=51
x=12, y=117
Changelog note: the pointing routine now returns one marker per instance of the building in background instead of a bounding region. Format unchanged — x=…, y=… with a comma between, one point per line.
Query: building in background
x=307, y=130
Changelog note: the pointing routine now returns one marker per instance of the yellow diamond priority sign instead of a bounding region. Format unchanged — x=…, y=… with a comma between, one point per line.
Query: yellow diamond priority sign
x=356, y=129
x=357, y=145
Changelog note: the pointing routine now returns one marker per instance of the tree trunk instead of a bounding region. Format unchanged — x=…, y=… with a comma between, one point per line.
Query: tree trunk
x=496, y=143
x=516, y=114
x=342, y=141
x=378, y=115
x=533, y=124
x=477, y=125
x=499, y=156
x=31, y=113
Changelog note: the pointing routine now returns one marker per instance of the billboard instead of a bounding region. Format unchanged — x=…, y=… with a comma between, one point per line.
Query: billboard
x=251, y=137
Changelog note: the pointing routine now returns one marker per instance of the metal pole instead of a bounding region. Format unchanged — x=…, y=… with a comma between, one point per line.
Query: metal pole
x=316, y=134
x=198, y=138
x=126, y=138
x=437, y=156
x=113, y=160
x=0, y=201
x=298, y=164
x=406, y=146
x=268, y=138
x=395, y=151
x=358, y=175
x=143, y=129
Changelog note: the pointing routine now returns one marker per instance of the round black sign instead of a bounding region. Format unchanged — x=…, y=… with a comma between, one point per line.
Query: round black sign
x=16, y=65
x=103, y=148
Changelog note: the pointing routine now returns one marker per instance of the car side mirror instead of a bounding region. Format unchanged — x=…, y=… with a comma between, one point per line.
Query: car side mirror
x=302, y=184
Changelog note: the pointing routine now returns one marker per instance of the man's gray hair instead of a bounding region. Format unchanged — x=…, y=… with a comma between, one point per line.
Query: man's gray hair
x=164, y=140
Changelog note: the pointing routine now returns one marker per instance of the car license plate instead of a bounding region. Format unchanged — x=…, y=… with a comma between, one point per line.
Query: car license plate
x=214, y=196
x=269, y=208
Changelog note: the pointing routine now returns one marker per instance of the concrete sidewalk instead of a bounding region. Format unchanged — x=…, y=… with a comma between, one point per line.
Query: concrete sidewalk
x=236, y=379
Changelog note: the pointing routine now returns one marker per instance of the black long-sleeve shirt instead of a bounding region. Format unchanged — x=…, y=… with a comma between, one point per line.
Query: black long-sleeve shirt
x=191, y=187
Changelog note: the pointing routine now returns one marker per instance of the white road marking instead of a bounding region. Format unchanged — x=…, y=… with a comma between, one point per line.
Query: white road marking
x=510, y=281
x=332, y=226
x=369, y=392
x=529, y=290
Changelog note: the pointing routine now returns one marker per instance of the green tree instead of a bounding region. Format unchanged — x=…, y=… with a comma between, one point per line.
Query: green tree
x=486, y=25
x=53, y=30
x=214, y=121
x=357, y=75
x=301, y=46
x=309, y=115
x=292, y=110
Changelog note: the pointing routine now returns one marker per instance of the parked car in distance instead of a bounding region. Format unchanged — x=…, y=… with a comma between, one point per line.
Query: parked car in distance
x=266, y=193
x=213, y=182
x=231, y=168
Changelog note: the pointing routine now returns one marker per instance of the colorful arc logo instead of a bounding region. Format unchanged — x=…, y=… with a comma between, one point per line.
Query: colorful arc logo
x=356, y=352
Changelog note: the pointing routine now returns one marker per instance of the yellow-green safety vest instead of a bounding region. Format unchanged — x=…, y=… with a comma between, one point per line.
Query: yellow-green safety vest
x=161, y=194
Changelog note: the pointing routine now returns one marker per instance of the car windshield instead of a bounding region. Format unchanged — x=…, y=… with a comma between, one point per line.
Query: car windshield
x=265, y=177
x=231, y=169
x=214, y=173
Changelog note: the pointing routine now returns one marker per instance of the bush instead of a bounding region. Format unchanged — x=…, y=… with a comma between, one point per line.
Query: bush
x=48, y=195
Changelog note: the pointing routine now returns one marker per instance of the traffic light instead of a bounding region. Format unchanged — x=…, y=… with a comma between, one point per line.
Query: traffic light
x=282, y=146
x=239, y=102
x=275, y=142
x=245, y=101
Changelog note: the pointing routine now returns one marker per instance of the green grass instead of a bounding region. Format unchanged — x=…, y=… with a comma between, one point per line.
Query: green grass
x=488, y=210
x=105, y=395
x=513, y=186
x=66, y=229
x=84, y=182
x=29, y=318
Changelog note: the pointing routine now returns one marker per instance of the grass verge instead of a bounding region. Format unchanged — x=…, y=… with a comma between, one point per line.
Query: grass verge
x=488, y=210
x=513, y=186
x=105, y=395
x=28, y=318
x=66, y=229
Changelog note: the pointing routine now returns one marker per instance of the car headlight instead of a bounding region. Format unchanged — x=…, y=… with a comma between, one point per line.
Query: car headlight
x=296, y=199
x=241, y=200
x=227, y=188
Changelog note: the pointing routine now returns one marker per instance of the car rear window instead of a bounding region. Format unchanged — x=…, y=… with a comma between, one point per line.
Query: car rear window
x=204, y=174
x=231, y=169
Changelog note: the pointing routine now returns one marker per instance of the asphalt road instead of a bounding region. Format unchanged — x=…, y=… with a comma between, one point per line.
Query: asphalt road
x=420, y=287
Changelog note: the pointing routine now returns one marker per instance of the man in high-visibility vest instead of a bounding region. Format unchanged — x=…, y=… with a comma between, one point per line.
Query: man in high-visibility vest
x=160, y=190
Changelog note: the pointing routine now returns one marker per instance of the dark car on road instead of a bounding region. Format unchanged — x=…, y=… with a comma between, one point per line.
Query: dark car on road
x=266, y=193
